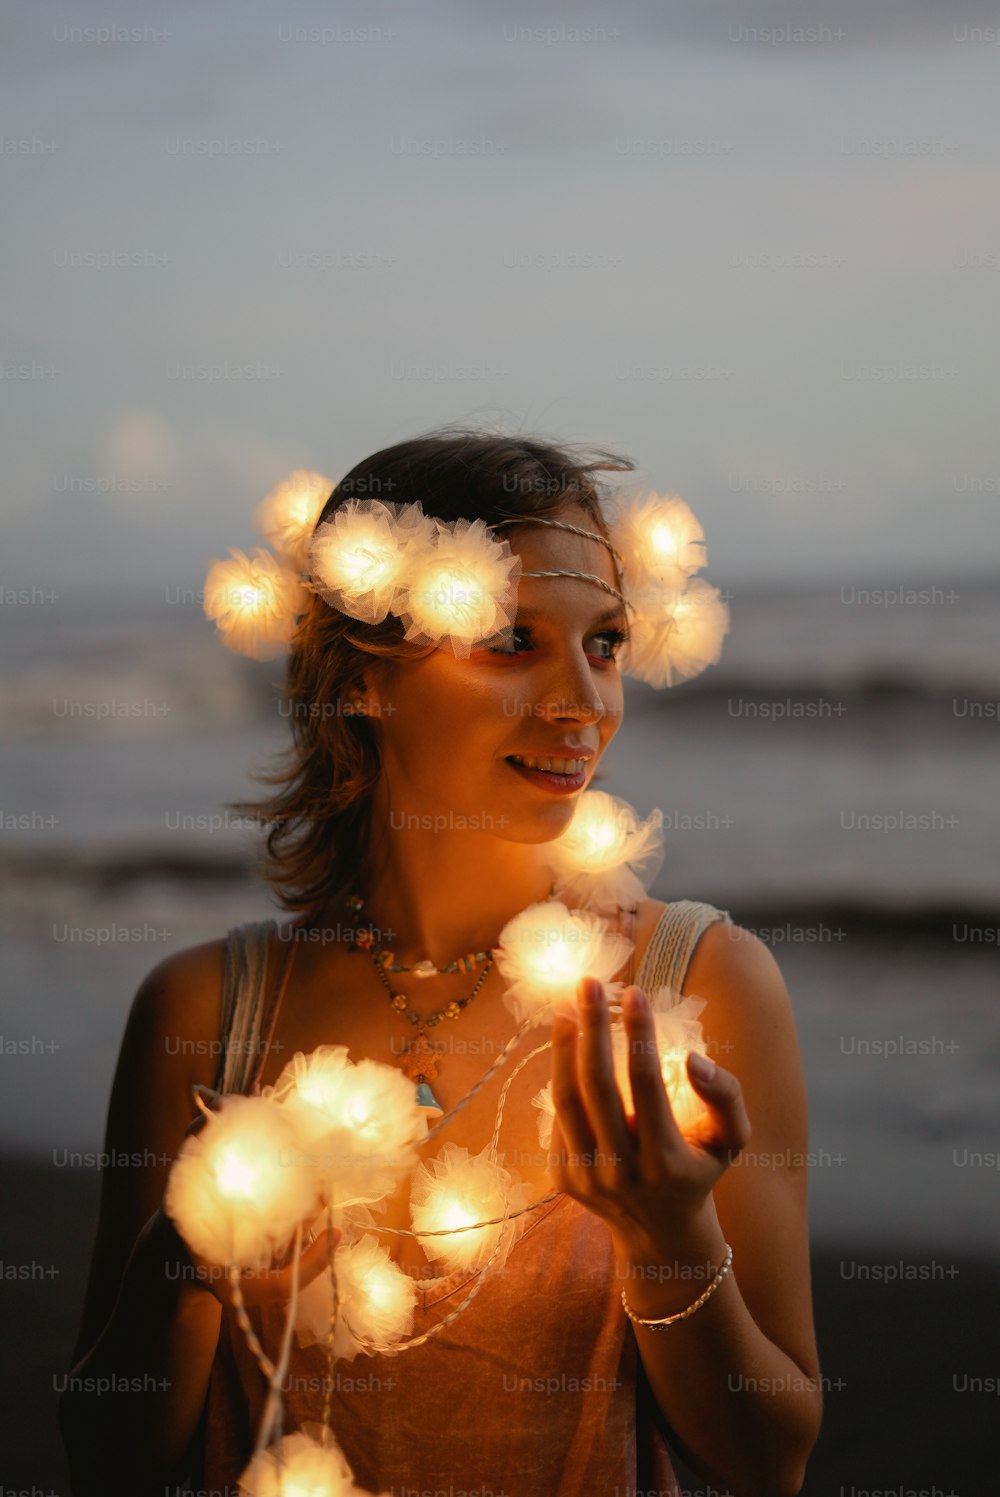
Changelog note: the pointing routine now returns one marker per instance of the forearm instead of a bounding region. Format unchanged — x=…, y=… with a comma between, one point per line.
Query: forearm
x=131, y=1406
x=743, y=1412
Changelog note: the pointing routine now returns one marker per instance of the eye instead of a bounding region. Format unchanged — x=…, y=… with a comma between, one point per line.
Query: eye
x=614, y=637
x=509, y=636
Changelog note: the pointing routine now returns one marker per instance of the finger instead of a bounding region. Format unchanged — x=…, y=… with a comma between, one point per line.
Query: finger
x=655, y=1126
x=726, y=1128
x=570, y=1113
x=316, y=1257
x=601, y=1096
x=274, y=1285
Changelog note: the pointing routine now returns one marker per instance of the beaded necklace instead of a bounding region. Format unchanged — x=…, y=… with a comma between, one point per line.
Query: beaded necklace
x=421, y=1059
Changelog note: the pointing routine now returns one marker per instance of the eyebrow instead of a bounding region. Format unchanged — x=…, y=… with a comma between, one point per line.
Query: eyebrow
x=611, y=616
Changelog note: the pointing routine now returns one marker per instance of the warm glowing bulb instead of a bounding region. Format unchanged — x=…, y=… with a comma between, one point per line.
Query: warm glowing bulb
x=663, y=541
x=250, y=598
x=557, y=964
x=236, y=1176
x=365, y=566
x=451, y=600
x=455, y=1215
x=235, y=1190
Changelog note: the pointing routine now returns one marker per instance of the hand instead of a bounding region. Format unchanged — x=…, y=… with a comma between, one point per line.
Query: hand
x=641, y=1174
x=257, y=1287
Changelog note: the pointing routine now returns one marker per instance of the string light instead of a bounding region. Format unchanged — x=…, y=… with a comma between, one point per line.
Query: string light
x=234, y=1191
x=376, y=1300
x=287, y=517
x=545, y=951
x=605, y=857
x=253, y=601
x=455, y=1191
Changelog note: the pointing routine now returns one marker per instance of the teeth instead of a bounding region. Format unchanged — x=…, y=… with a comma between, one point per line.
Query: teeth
x=554, y=766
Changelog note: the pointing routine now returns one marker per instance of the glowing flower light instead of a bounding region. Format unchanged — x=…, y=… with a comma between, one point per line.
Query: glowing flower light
x=605, y=857
x=375, y=1302
x=253, y=602
x=545, y=951
x=675, y=635
x=360, y=1123
x=462, y=590
x=661, y=538
x=301, y=1466
x=287, y=517
x=234, y=1191
x=678, y=1032
x=359, y=555
x=456, y=1190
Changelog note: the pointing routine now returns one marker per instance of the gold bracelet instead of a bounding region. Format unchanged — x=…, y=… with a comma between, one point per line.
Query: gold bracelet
x=682, y=1314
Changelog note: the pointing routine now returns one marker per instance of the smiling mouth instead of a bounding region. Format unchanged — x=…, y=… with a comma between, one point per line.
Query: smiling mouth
x=560, y=766
x=556, y=780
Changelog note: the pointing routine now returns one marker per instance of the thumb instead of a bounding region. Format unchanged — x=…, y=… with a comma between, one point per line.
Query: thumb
x=728, y=1128
x=315, y=1258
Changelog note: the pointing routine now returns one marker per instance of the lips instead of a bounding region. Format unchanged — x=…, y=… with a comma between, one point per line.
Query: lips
x=551, y=780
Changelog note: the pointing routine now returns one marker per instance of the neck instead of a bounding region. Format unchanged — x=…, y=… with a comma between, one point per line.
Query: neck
x=440, y=894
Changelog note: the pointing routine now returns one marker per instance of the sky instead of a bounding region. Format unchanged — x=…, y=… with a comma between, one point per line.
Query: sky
x=755, y=247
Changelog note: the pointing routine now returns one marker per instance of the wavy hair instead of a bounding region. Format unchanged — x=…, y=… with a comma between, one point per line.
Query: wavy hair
x=318, y=819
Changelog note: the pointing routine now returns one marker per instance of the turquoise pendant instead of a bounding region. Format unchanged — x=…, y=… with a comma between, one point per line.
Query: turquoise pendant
x=426, y=1098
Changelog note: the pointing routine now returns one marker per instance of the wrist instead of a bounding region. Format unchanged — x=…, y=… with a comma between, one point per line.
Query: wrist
x=166, y=1257
x=662, y=1277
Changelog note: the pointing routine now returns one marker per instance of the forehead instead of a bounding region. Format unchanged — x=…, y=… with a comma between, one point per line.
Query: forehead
x=550, y=548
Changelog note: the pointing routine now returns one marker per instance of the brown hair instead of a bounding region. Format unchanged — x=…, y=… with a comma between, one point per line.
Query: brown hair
x=318, y=819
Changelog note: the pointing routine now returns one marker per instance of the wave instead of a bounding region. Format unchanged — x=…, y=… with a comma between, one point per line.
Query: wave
x=975, y=694
x=784, y=917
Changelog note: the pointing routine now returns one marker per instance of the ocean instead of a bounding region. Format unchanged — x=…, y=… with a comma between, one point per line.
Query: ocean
x=832, y=783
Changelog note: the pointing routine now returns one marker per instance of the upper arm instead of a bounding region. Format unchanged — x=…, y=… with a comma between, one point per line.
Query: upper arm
x=171, y=1041
x=761, y=1198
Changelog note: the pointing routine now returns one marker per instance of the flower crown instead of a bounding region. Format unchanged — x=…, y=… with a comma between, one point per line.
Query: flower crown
x=455, y=583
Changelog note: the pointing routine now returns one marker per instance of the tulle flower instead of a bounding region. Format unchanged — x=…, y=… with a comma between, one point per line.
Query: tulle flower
x=660, y=539
x=254, y=602
x=674, y=634
x=678, y=1032
x=302, y=1466
x=362, y=555
x=546, y=1114
x=235, y=1191
x=288, y=515
x=375, y=1302
x=460, y=590
x=545, y=951
x=455, y=1191
x=359, y=1123
x=605, y=857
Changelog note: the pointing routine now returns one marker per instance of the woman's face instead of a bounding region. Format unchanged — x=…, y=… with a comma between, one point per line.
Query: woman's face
x=447, y=726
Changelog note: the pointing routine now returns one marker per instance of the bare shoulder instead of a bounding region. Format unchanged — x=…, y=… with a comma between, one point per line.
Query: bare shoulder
x=735, y=970
x=749, y=1024
x=171, y=1041
x=182, y=995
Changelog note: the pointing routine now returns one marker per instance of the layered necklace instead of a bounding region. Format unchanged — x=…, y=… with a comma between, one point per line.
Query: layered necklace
x=421, y=1057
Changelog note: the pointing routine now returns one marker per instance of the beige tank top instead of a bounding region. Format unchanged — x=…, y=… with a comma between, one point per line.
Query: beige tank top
x=536, y=1390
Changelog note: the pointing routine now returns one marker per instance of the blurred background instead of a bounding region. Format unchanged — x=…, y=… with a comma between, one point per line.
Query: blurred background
x=757, y=248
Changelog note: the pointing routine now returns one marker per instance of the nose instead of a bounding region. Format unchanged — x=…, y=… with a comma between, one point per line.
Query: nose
x=570, y=689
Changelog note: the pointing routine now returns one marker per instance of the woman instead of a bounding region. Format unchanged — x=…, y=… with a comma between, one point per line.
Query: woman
x=407, y=797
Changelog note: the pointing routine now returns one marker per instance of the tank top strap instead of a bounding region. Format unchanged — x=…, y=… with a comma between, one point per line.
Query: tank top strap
x=671, y=946
x=244, y=1004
